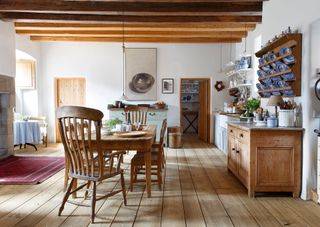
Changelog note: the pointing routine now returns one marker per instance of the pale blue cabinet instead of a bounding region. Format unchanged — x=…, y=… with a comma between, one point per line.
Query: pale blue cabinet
x=155, y=117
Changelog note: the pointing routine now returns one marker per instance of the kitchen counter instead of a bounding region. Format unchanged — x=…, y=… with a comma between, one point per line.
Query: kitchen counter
x=265, y=159
x=252, y=126
x=235, y=115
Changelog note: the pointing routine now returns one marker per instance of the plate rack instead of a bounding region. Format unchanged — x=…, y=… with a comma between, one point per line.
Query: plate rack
x=294, y=42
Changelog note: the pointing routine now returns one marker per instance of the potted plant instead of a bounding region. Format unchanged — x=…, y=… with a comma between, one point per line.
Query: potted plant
x=250, y=107
x=111, y=123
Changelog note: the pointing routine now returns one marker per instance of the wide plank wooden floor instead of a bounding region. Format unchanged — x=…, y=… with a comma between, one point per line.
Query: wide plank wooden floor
x=198, y=191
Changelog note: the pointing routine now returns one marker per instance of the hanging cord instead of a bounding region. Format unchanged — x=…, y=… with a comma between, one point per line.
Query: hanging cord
x=123, y=54
x=221, y=57
x=245, y=40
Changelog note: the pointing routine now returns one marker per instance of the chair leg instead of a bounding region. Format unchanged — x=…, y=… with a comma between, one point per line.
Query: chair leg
x=131, y=177
x=93, y=201
x=66, y=196
x=86, y=193
x=66, y=179
x=159, y=176
x=123, y=186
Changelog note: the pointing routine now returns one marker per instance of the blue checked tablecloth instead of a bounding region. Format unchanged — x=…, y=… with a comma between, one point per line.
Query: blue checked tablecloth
x=26, y=132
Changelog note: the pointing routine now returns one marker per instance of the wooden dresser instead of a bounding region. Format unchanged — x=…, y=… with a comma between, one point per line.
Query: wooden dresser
x=265, y=159
x=155, y=117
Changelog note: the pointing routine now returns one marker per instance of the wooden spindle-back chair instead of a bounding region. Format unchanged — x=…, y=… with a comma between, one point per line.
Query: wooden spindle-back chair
x=157, y=159
x=80, y=130
x=136, y=114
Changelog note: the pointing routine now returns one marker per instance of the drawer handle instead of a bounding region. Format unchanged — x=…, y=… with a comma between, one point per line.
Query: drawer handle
x=152, y=114
x=233, y=149
x=241, y=135
x=237, y=151
x=231, y=130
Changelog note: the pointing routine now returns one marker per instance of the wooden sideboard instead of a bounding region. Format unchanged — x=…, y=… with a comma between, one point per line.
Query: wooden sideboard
x=155, y=117
x=265, y=159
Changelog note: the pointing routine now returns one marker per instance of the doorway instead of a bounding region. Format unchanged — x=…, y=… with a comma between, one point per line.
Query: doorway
x=69, y=91
x=195, y=107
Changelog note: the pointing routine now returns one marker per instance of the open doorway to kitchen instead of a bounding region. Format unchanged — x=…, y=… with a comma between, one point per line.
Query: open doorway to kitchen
x=195, y=107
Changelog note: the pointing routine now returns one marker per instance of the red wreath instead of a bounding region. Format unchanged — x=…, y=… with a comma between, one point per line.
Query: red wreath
x=219, y=86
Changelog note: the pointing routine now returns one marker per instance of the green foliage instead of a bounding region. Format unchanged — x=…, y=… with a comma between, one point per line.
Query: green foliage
x=250, y=106
x=111, y=123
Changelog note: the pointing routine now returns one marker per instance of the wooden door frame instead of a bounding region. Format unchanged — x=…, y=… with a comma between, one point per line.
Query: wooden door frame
x=56, y=98
x=208, y=80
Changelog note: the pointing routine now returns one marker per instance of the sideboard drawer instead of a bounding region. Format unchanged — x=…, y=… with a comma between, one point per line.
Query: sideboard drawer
x=156, y=115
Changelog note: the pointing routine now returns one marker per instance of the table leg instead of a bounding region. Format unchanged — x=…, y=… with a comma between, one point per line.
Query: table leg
x=148, y=171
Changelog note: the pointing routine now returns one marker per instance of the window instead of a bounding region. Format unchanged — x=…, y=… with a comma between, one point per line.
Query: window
x=25, y=74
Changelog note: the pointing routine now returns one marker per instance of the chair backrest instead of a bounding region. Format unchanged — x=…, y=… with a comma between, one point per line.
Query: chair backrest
x=79, y=128
x=136, y=114
x=163, y=131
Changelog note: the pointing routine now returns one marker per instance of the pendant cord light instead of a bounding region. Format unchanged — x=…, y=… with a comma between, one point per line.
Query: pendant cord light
x=123, y=97
x=220, y=57
x=245, y=40
x=230, y=63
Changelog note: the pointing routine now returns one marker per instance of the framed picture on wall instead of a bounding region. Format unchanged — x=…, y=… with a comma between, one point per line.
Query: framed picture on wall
x=141, y=73
x=167, y=86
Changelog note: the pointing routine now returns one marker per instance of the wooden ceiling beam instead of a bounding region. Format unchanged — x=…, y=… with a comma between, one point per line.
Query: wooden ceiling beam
x=20, y=16
x=235, y=34
x=206, y=26
x=131, y=6
x=136, y=39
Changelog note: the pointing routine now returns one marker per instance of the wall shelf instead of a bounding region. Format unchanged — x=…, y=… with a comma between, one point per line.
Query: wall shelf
x=293, y=41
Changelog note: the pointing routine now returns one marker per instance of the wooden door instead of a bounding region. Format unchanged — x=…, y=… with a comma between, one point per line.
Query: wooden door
x=69, y=91
x=204, y=111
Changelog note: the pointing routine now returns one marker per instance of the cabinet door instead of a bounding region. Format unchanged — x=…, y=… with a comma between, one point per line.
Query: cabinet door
x=244, y=162
x=232, y=155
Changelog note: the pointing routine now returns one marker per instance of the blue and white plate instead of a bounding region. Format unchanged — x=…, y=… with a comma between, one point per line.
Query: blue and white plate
x=266, y=68
x=271, y=56
x=289, y=60
x=267, y=81
x=260, y=87
x=262, y=61
x=276, y=93
x=261, y=73
x=266, y=94
x=271, y=71
x=289, y=93
x=284, y=50
x=276, y=79
x=282, y=67
x=288, y=76
x=282, y=83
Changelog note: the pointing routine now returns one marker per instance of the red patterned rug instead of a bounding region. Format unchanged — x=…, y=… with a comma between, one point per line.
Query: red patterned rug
x=29, y=169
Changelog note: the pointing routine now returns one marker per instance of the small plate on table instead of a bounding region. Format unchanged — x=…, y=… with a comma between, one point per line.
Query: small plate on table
x=130, y=134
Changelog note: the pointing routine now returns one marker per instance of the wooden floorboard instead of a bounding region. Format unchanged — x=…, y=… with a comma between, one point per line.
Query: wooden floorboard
x=197, y=191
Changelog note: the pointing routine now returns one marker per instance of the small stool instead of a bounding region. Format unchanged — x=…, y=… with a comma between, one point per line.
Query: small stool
x=174, y=137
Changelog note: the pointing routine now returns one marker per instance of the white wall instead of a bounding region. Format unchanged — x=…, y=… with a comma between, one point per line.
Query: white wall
x=101, y=65
x=277, y=16
x=7, y=49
